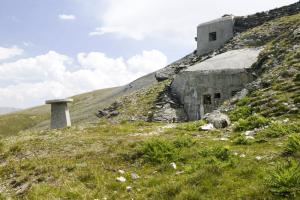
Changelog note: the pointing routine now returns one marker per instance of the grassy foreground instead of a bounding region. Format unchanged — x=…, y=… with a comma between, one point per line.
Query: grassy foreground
x=84, y=163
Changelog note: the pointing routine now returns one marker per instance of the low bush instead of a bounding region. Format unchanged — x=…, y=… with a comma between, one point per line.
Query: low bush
x=16, y=148
x=184, y=141
x=241, y=112
x=278, y=129
x=191, y=126
x=292, y=146
x=284, y=181
x=297, y=78
x=1, y=147
x=250, y=123
x=221, y=153
x=157, y=151
x=241, y=140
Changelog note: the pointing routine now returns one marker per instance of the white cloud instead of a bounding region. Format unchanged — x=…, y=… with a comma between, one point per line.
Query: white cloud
x=30, y=81
x=169, y=19
x=7, y=53
x=66, y=17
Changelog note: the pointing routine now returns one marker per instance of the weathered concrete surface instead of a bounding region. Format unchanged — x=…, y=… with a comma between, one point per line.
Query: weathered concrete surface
x=224, y=32
x=60, y=115
x=205, y=86
x=235, y=59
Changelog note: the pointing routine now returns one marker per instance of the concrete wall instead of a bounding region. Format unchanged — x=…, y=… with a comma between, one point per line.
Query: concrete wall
x=60, y=116
x=191, y=86
x=224, y=29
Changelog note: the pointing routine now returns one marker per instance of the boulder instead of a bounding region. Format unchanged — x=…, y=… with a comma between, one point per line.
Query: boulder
x=297, y=33
x=218, y=119
x=164, y=74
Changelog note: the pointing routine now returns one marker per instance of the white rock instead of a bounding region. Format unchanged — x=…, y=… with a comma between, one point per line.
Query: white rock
x=134, y=176
x=286, y=120
x=128, y=188
x=249, y=137
x=121, y=171
x=179, y=172
x=258, y=158
x=250, y=133
x=224, y=139
x=207, y=127
x=235, y=154
x=242, y=155
x=173, y=165
x=121, y=179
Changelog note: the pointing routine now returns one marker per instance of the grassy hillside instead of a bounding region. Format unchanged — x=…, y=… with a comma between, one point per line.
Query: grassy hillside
x=82, y=110
x=257, y=157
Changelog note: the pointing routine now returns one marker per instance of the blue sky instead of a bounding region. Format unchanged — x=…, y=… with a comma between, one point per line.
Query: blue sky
x=57, y=48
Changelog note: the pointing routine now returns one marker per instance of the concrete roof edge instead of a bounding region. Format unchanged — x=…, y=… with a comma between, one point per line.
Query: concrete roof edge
x=227, y=18
x=59, y=101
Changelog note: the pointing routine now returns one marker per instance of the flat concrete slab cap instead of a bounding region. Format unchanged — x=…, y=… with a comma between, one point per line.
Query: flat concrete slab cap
x=235, y=59
x=54, y=101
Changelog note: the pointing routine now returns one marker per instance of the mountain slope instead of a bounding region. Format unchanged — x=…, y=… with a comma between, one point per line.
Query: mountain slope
x=257, y=157
x=82, y=110
x=5, y=110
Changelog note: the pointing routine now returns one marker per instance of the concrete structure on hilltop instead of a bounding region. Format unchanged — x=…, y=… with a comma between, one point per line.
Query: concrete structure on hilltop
x=60, y=115
x=204, y=86
x=214, y=34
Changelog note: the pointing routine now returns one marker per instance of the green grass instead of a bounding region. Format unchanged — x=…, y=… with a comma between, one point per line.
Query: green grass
x=81, y=163
x=292, y=146
x=11, y=124
x=251, y=122
x=278, y=129
x=284, y=181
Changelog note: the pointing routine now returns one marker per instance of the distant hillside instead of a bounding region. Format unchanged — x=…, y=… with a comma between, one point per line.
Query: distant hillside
x=5, y=110
x=82, y=110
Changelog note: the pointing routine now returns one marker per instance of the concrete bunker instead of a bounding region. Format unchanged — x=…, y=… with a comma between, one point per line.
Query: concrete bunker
x=60, y=115
x=214, y=34
x=204, y=86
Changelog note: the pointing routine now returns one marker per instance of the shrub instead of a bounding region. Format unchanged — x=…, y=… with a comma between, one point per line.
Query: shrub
x=241, y=140
x=293, y=145
x=191, y=126
x=284, y=181
x=297, y=78
x=221, y=153
x=184, y=141
x=157, y=151
x=278, y=129
x=297, y=100
x=1, y=147
x=16, y=148
x=244, y=101
x=241, y=112
x=252, y=122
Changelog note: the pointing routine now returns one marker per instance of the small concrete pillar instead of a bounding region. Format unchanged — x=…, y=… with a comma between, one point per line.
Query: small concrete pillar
x=60, y=115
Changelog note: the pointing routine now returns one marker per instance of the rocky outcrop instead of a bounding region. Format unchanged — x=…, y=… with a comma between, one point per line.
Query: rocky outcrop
x=110, y=111
x=169, y=71
x=244, y=23
x=167, y=108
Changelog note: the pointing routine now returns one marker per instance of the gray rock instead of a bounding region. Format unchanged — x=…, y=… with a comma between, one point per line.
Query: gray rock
x=297, y=33
x=134, y=176
x=164, y=74
x=23, y=188
x=218, y=119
